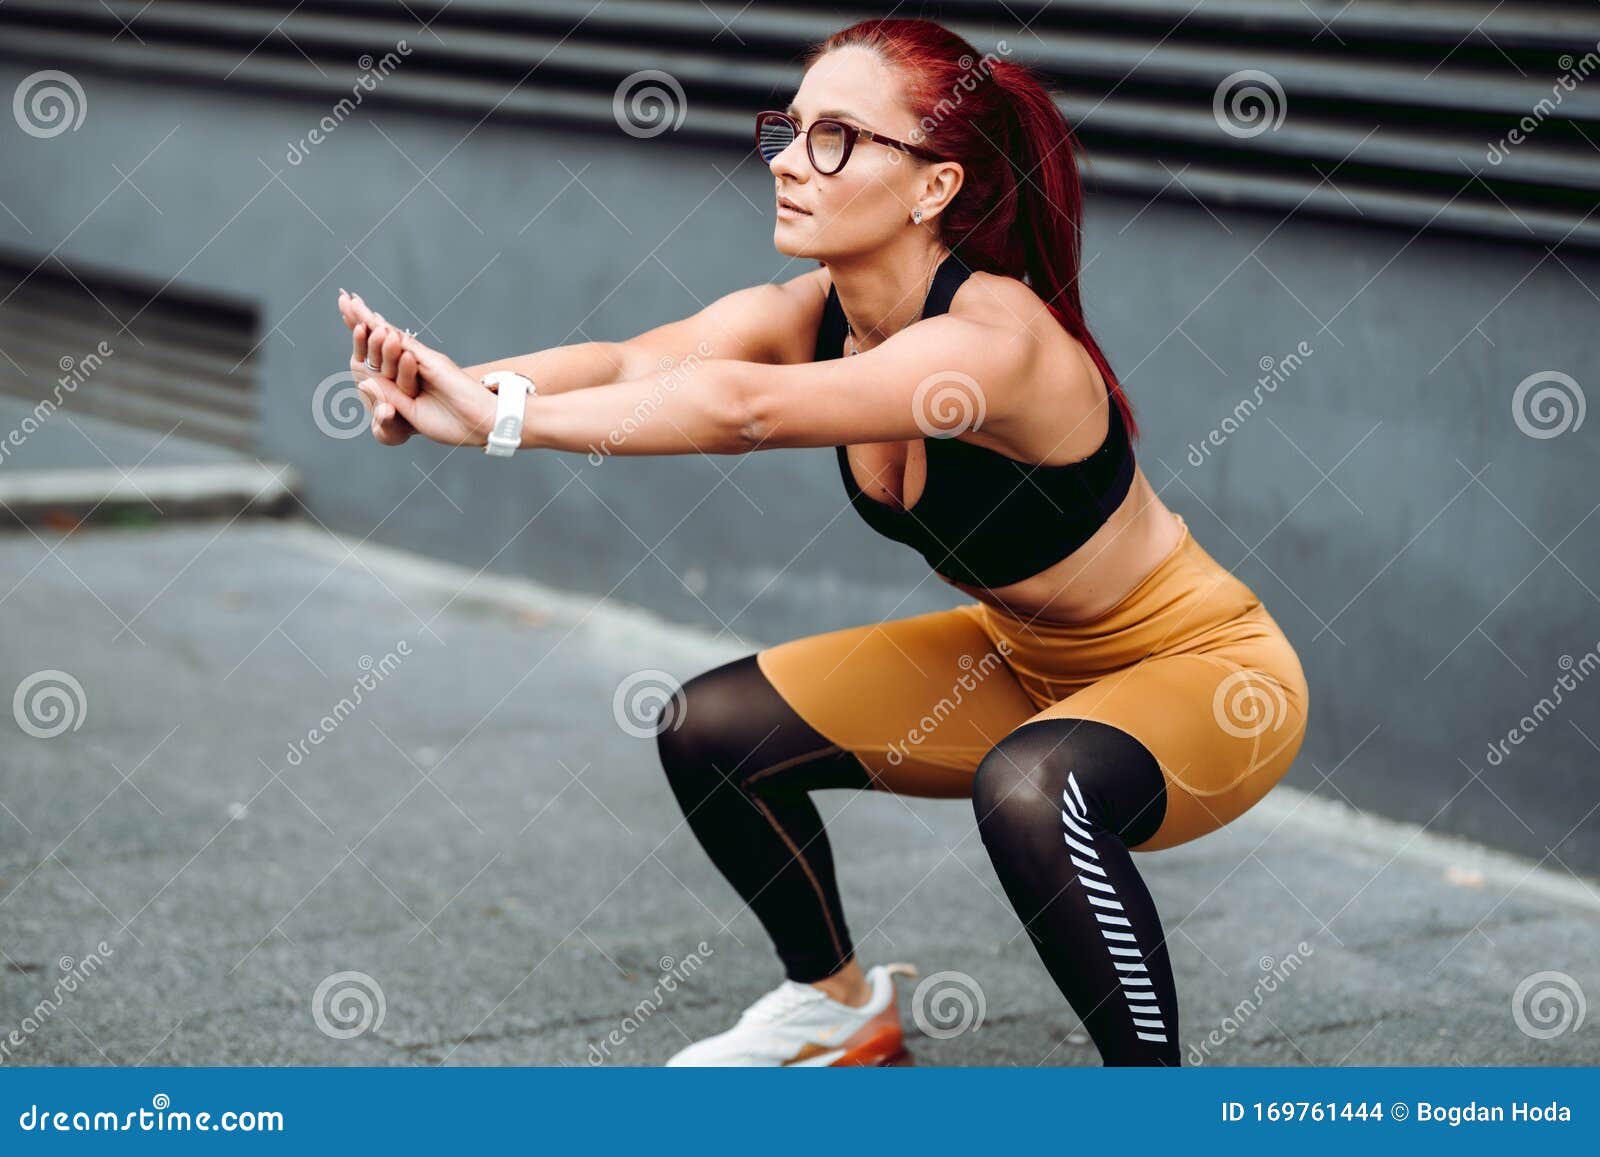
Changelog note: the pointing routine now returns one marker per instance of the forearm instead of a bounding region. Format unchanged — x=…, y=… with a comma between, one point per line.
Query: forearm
x=563, y=368
x=677, y=413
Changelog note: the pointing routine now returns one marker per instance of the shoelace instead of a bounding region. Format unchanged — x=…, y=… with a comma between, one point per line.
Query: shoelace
x=783, y=1000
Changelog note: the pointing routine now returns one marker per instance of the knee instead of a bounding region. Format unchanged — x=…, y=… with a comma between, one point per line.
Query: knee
x=1099, y=775
x=701, y=725
x=1016, y=784
x=685, y=730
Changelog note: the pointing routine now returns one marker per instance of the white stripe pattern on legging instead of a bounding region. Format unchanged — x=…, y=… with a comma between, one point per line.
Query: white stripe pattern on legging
x=1135, y=977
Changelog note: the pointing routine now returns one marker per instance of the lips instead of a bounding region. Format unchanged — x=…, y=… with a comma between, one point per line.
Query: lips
x=785, y=203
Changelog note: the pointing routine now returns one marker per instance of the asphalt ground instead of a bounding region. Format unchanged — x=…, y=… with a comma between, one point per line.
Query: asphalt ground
x=477, y=861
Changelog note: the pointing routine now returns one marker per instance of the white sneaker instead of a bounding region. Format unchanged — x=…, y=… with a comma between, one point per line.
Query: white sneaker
x=799, y=1024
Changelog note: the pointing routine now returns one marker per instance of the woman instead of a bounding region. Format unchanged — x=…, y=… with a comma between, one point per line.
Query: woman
x=1108, y=688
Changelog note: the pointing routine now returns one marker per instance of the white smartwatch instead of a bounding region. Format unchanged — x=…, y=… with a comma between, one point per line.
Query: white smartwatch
x=511, y=394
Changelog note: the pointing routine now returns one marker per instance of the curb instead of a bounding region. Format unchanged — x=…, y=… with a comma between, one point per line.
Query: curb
x=67, y=498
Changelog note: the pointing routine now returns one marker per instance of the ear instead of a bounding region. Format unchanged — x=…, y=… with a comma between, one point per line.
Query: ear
x=944, y=182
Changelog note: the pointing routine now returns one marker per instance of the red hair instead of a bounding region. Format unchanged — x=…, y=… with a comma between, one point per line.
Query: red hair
x=1019, y=211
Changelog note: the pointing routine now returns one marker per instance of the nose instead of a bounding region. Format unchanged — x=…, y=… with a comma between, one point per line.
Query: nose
x=792, y=162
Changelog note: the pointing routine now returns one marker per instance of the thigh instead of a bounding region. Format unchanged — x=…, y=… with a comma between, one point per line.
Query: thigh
x=919, y=700
x=1224, y=724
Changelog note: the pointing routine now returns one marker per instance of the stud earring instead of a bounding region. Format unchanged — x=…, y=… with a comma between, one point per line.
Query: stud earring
x=916, y=216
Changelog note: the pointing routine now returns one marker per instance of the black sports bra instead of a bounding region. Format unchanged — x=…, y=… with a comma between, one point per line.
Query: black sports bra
x=986, y=519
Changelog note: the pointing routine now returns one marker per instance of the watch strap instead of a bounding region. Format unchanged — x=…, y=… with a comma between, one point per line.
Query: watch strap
x=511, y=394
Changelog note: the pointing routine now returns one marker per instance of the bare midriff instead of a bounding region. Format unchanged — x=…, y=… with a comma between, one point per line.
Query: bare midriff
x=1096, y=576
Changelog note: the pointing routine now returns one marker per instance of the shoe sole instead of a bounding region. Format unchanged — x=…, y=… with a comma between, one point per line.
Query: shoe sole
x=877, y=1043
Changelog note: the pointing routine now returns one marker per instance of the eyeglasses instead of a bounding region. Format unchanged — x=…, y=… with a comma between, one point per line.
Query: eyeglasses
x=828, y=141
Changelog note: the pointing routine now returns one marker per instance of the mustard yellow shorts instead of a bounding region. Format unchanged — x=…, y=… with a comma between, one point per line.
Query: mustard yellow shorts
x=1189, y=662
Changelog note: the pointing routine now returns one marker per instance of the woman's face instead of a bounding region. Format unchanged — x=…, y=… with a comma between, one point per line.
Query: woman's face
x=862, y=206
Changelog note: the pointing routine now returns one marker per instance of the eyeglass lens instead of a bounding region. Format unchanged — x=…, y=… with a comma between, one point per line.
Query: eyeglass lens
x=826, y=142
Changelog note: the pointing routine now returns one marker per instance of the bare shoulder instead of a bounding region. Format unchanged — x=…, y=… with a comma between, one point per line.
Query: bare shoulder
x=1012, y=310
x=1059, y=406
x=799, y=303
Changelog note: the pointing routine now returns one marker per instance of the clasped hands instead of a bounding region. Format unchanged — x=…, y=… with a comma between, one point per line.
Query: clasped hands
x=414, y=389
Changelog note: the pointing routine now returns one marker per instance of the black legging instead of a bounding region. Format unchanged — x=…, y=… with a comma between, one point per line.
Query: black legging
x=1058, y=802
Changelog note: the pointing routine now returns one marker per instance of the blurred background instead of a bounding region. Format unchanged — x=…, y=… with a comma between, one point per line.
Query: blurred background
x=1343, y=257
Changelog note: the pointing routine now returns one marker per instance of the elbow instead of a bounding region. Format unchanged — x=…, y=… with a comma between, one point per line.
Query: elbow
x=746, y=419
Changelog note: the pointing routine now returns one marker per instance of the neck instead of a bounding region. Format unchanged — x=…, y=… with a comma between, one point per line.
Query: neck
x=884, y=293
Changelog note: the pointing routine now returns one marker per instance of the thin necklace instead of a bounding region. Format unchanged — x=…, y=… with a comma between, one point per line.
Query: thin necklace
x=850, y=330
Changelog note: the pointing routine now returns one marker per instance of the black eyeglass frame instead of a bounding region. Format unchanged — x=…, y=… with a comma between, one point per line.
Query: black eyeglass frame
x=851, y=134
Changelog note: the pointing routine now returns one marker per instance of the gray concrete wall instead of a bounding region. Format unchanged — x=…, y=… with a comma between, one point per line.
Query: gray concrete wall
x=1435, y=563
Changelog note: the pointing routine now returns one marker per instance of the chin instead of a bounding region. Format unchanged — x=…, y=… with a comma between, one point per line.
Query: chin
x=796, y=251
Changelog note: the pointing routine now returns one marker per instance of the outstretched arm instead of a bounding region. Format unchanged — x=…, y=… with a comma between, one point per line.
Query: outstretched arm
x=757, y=323
x=939, y=377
